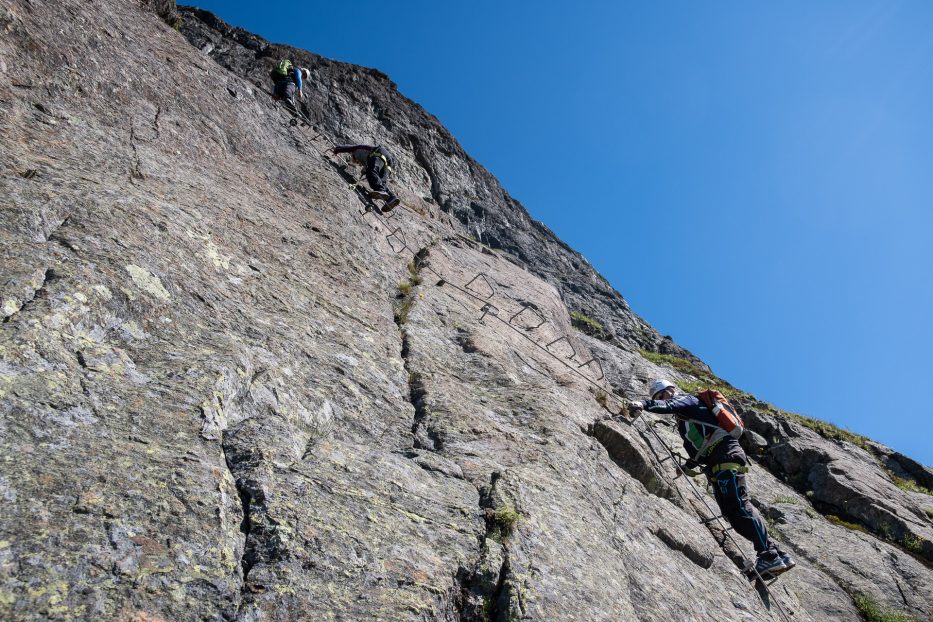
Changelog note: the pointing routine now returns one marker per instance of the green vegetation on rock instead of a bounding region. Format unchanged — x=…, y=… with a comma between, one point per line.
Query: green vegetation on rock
x=835, y=520
x=873, y=612
x=504, y=520
x=908, y=484
x=404, y=300
x=602, y=398
x=823, y=428
x=914, y=544
x=585, y=323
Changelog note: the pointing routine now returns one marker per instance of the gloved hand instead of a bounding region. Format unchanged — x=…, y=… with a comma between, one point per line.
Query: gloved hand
x=635, y=406
x=689, y=467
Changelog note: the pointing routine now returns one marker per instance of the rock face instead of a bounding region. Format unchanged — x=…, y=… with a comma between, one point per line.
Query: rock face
x=228, y=392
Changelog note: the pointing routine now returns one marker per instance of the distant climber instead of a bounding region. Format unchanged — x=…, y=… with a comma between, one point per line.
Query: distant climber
x=377, y=164
x=288, y=80
x=725, y=465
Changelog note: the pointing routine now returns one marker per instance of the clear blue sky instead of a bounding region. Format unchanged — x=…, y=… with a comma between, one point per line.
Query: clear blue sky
x=755, y=178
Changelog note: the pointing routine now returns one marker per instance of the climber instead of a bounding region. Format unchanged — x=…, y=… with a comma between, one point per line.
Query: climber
x=725, y=466
x=377, y=163
x=287, y=81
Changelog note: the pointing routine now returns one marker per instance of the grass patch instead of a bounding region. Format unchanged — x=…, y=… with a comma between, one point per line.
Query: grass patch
x=914, y=544
x=873, y=612
x=404, y=300
x=704, y=379
x=908, y=484
x=414, y=277
x=929, y=513
x=786, y=499
x=835, y=520
x=825, y=429
x=602, y=399
x=678, y=363
x=585, y=323
x=504, y=520
x=402, y=308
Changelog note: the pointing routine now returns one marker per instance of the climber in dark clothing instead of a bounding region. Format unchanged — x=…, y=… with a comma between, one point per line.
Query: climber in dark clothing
x=377, y=163
x=725, y=464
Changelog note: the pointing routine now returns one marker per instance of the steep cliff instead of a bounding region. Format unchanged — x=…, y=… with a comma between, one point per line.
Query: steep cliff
x=229, y=392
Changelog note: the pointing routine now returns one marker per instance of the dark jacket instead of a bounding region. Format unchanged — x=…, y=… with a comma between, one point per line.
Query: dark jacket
x=706, y=443
x=363, y=153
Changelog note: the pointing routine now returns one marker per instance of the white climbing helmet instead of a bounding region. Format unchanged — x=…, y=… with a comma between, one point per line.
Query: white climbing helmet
x=305, y=73
x=657, y=386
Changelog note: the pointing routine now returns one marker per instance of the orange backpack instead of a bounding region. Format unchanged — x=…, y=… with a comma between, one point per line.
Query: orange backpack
x=726, y=417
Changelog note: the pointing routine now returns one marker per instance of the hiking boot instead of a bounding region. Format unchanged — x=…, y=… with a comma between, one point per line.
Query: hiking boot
x=378, y=194
x=769, y=565
x=388, y=207
x=788, y=562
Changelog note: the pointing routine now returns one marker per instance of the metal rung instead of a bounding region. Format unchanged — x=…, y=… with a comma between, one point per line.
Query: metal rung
x=396, y=233
x=489, y=309
x=573, y=351
x=485, y=281
x=541, y=319
x=599, y=367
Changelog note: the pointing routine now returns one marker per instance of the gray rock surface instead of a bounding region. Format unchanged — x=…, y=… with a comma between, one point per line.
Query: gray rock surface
x=229, y=393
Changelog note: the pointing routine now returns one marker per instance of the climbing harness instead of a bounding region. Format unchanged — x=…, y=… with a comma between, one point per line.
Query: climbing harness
x=727, y=466
x=385, y=160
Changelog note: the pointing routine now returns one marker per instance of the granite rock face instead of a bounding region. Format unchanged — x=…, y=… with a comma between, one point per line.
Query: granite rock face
x=229, y=392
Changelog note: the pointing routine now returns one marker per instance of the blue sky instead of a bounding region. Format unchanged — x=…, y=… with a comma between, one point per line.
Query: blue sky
x=754, y=178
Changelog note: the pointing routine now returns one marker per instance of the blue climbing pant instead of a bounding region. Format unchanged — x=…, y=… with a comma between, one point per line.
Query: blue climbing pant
x=732, y=496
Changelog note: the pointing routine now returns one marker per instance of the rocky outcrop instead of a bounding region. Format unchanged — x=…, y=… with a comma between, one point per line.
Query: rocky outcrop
x=229, y=392
x=847, y=481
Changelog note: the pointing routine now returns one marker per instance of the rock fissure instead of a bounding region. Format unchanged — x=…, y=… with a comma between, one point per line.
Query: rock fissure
x=136, y=173
x=417, y=393
x=246, y=562
x=11, y=309
x=483, y=591
x=263, y=539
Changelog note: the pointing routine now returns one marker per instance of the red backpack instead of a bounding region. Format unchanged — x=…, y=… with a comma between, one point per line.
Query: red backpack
x=726, y=417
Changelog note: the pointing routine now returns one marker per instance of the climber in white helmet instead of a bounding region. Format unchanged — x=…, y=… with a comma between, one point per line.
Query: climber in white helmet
x=724, y=462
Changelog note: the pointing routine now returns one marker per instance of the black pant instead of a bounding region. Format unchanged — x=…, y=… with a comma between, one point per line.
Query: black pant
x=377, y=176
x=285, y=88
x=732, y=496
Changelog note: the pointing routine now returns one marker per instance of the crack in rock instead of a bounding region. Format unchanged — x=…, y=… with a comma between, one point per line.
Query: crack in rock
x=424, y=437
x=486, y=593
x=12, y=307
